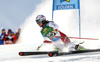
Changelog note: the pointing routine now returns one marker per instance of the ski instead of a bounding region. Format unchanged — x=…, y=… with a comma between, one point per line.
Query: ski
x=33, y=53
x=51, y=54
x=57, y=53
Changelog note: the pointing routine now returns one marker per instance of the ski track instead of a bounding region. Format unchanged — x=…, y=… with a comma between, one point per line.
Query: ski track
x=84, y=57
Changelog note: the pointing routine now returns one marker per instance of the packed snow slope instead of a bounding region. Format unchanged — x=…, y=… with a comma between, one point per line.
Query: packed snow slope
x=68, y=23
x=84, y=57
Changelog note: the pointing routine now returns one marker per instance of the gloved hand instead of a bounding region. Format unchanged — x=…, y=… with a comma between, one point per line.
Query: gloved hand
x=51, y=35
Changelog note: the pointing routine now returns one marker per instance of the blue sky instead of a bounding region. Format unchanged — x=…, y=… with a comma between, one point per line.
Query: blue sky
x=14, y=12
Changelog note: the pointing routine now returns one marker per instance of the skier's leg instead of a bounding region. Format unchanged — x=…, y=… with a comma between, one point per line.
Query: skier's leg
x=69, y=47
x=72, y=46
x=59, y=44
x=64, y=38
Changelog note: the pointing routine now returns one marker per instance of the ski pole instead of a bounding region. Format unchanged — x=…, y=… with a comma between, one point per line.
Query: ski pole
x=77, y=38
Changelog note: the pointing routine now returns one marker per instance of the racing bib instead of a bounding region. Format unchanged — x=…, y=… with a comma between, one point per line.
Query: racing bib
x=47, y=31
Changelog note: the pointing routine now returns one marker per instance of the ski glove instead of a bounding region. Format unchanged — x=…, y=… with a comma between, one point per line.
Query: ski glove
x=51, y=35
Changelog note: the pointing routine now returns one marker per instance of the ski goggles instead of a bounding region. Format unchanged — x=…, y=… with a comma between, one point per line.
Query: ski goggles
x=38, y=21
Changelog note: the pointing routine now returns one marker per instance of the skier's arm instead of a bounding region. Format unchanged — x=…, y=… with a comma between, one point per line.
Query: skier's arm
x=54, y=26
x=53, y=33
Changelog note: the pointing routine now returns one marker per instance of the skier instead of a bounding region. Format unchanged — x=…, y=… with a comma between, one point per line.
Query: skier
x=50, y=30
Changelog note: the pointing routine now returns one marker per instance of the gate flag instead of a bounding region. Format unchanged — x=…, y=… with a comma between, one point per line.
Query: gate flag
x=66, y=5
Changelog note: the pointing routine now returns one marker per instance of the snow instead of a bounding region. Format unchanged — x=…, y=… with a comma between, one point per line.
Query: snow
x=83, y=57
x=9, y=53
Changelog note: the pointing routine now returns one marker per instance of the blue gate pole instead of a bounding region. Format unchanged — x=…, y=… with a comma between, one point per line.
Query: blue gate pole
x=79, y=19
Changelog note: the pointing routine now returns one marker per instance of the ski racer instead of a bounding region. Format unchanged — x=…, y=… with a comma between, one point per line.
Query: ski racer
x=50, y=30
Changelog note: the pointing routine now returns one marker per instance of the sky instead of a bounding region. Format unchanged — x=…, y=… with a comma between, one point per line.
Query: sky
x=13, y=13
